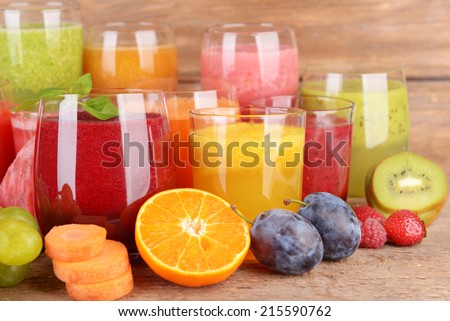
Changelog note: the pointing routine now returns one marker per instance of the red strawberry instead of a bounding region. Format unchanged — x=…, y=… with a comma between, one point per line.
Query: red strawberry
x=365, y=212
x=405, y=228
x=373, y=234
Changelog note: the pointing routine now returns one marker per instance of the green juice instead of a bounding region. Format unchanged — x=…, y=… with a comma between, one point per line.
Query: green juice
x=380, y=128
x=33, y=57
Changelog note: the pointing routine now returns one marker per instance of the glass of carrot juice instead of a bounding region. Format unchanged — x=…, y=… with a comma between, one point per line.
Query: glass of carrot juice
x=179, y=103
x=131, y=55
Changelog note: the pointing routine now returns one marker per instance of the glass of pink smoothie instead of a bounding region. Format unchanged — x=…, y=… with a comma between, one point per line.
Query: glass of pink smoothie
x=92, y=171
x=259, y=59
x=328, y=140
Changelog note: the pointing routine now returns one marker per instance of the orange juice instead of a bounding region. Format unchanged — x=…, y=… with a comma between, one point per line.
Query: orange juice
x=236, y=162
x=179, y=104
x=132, y=67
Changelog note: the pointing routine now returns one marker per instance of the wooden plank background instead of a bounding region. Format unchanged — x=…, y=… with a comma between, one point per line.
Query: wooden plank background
x=413, y=33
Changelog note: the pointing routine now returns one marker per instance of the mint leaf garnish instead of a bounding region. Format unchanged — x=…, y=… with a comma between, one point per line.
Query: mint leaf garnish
x=82, y=86
x=100, y=107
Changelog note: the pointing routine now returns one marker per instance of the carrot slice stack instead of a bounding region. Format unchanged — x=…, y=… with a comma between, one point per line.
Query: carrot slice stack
x=110, y=263
x=74, y=242
x=112, y=289
x=92, y=267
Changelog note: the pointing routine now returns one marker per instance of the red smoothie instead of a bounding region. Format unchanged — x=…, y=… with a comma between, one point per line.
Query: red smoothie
x=90, y=171
x=327, y=156
x=7, y=153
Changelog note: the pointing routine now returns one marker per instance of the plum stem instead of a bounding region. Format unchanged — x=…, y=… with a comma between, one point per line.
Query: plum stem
x=234, y=208
x=289, y=201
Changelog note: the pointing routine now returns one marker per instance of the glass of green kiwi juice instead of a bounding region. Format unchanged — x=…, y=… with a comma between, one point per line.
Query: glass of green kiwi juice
x=381, y=124
x=41, y=47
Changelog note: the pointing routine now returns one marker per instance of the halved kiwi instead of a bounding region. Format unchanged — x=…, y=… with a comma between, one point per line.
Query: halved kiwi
x=408, y=181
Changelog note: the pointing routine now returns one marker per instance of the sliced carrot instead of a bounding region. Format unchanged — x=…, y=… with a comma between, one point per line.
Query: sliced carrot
x=112, y=289
x=74, y=242
x=110, y=263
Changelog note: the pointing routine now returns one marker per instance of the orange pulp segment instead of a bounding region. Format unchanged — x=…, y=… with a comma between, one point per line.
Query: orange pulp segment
x=191, y=237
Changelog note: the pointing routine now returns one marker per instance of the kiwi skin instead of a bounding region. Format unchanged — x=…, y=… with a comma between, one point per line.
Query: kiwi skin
x=428, y=215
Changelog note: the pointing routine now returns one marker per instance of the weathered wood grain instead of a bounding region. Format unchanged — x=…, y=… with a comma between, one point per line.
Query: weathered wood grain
x=413, y=33
x=421, y=272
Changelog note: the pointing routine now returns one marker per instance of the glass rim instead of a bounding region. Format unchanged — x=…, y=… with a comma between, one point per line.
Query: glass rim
x=129, y=26
x=95, y=91
x=249, y=28
x=30, y=7
x=349, y=106
x=195, y=91
x=357, y=68
x=222, y=112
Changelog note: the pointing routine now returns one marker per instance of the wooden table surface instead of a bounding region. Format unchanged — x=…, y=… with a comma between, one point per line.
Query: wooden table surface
x=421, y=272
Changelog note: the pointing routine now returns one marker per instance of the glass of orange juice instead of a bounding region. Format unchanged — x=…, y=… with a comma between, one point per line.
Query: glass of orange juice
x=131, y=55
x=249, y=156
x=179, y=103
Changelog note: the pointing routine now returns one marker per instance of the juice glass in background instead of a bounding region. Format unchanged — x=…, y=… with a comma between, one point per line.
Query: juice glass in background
x=249, y=156
x=328, y=141
x=92, y=171
x=259, y=59
x=131, y=55
x=7, y=153
x=179, y=103
x=41, y=48
x=381, y=123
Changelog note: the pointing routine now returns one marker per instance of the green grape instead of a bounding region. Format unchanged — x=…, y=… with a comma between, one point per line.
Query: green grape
x=20, y=243
x=12, y=275
x=20, y=214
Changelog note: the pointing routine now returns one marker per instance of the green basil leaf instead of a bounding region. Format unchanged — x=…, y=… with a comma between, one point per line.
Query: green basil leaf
x=27, y=105
x=101, y=107
x=82, y=86
x=44, y=93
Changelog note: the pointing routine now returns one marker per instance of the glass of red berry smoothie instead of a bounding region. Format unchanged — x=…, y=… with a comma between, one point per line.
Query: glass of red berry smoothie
x=7, y=153
x=93, y=171
x=328, y=139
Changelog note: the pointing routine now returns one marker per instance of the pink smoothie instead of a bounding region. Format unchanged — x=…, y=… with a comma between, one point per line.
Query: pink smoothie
x=93, y=185
x=254, y=73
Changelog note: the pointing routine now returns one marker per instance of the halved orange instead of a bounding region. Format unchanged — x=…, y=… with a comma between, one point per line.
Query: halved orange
x=191, y=237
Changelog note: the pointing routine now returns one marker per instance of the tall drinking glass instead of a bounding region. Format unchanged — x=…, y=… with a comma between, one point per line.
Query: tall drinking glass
x=41, y=45
x=131, y=55
x=250, y=156
x=381, y=124
x=179, y=103
x=328, y=141
x=101, y=171
x=7, y=153
x=259, y=59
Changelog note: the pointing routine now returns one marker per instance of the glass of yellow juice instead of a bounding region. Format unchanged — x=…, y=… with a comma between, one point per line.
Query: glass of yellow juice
x=381, y=121
x=249, y=156
x=179, y=103
x=131, y=55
